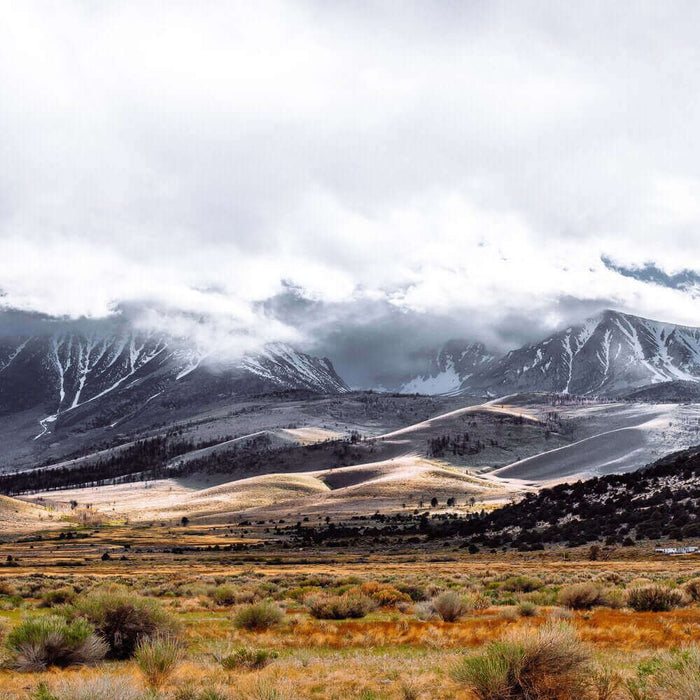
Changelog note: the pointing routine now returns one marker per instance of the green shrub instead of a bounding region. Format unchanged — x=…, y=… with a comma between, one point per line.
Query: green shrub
x=58, y=596
x=123, y=618
x=11, y=602
x=248, y=659
x=490, y=675
x=43, y=692
x=527, y=609
x=615, y=598
x=521, y=584
x=340, y=607
x=157, y=658
x=677, y=674
x=258, y=617
x=415, y=592
x=654, y=598
x=605, y=683
x=40, y=642
x=477, y=601
x=582, y=596
x=548, y=663
x=298, y=593
x=224, y=595
x=544, y=596
x=450, y=606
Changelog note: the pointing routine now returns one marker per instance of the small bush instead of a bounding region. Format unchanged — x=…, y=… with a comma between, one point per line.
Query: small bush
x=477, y=601
x=340, y=607
x=677, y=674
x=157, y=659
x=224, y=595
x=527, y=609
x=102, y=687
x=692, y=589
x=615, y=598
x=561, y=614
x=42, y=692
x=40, y=642
x=582, y=596
x=414, y=592
x=6, y=588
x=123, y=619
x=521, y=584
x=258, y=617
x=382, y=594
x=605, y=683
x=11, y=602
x=248, y=659
x=425, y=610
x=450, y=606
x=545, y=596
x=58, y=596
x=655, y=598
x=549, y=663
x=409, y=689
x=510, y=614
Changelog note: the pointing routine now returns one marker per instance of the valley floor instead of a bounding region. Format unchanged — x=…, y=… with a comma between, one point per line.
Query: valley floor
x=399, y=647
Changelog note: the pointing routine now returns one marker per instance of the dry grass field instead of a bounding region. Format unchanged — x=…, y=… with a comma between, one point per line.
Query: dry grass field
x=220, y=611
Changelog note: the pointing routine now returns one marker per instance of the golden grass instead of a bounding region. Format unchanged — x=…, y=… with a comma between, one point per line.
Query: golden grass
x=389, y=654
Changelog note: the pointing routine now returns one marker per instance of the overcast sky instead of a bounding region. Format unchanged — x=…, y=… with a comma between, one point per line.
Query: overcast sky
x=394, y=169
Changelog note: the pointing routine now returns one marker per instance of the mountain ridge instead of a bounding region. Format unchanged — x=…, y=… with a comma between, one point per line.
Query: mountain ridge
x=68, y=374
x=604, y=356
x=607, y=355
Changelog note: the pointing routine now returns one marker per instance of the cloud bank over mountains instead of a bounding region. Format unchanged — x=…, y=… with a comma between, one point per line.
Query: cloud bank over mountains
x=347, y=176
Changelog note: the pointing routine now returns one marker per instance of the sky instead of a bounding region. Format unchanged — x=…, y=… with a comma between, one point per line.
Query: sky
x=358, y=178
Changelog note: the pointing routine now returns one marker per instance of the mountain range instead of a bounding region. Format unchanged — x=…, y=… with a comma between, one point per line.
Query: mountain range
x=606, y=356
x=106, y=373
x=77, y=377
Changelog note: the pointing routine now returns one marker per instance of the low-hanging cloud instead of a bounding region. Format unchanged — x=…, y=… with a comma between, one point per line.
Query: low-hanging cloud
x=412, y=170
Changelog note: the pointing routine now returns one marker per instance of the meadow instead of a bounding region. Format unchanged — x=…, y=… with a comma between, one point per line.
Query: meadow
x=200, y=613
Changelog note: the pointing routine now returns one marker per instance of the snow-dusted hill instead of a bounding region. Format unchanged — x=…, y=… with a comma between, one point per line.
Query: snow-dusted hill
x=604, y=356
x=70, y=374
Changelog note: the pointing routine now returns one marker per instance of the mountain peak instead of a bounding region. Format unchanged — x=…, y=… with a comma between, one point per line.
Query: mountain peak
x=606, y=355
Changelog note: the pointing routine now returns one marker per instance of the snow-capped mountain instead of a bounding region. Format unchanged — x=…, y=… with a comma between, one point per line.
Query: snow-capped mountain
x=449, y=367
x=282, y=365
x=605, y=356
x=74, y=375
x=67, y=370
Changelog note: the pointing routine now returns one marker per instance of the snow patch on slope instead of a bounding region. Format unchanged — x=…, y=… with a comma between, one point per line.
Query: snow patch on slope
x=447, y=382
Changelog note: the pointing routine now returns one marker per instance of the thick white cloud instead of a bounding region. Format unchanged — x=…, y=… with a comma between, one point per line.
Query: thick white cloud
x=450, y=158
